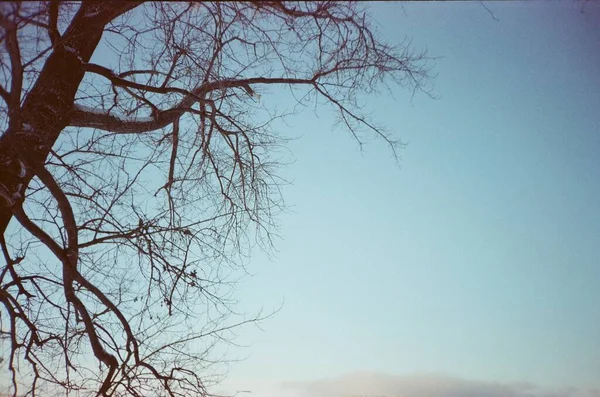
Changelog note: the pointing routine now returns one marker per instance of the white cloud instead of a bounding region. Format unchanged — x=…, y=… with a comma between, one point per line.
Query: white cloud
x=372, y=384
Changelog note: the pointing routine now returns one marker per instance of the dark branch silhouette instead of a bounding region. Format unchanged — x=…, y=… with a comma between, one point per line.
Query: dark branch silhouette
x=138, y=170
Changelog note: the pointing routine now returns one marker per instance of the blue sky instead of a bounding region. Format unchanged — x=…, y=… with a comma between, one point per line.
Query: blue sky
x=479, y=257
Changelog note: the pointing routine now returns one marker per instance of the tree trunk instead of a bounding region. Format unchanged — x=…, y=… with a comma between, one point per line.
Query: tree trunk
x=46, y=110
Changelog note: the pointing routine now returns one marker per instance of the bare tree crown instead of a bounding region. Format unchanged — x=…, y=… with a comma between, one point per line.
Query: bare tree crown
x=138, y=169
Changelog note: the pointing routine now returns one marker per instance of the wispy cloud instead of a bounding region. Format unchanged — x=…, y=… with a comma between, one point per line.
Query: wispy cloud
x=372, y=384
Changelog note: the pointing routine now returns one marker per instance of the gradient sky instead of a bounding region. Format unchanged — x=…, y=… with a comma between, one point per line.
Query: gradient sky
x=479, y=257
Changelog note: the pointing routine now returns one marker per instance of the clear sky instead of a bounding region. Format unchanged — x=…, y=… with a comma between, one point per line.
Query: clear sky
x=477, y=259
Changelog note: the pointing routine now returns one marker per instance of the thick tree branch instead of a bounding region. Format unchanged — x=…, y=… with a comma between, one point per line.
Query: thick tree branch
x=16, y=70
x=82, y=116
x=53, y=33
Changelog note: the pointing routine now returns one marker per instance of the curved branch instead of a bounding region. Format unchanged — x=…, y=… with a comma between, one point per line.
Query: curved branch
x=83, y=116
x=65, y=209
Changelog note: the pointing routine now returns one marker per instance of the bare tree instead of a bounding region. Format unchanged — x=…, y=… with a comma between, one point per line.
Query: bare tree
x=133, y=183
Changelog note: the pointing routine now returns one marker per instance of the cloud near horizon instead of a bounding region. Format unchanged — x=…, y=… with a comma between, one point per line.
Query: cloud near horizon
x=373, y=384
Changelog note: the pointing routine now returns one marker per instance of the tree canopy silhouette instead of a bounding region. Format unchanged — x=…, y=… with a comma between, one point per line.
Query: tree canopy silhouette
x=138, y=168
